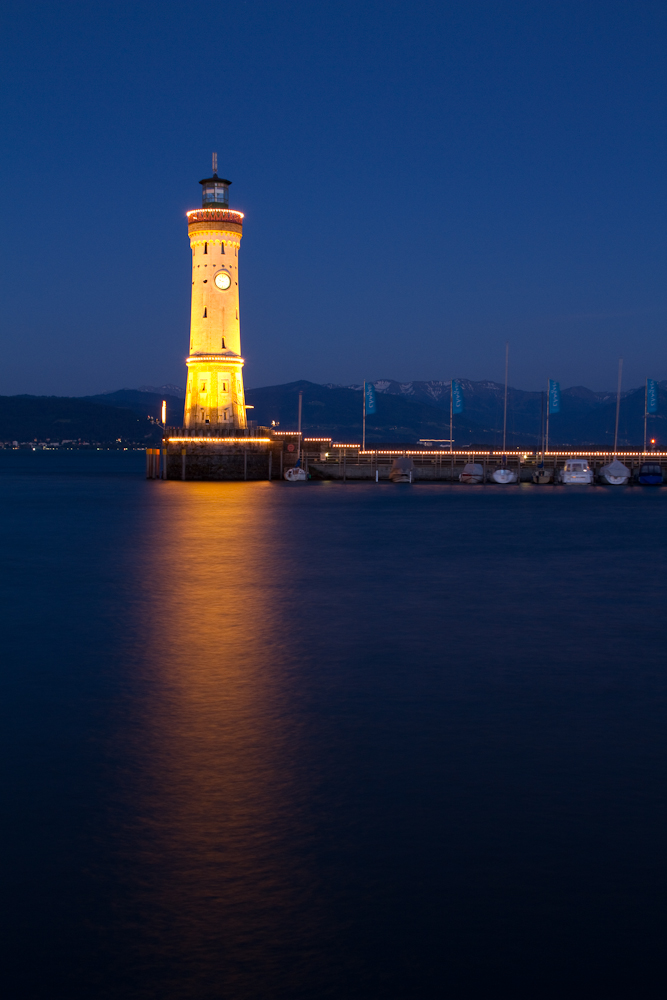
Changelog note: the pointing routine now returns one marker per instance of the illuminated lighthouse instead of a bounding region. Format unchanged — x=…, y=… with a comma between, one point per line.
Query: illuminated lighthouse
x=214, y=396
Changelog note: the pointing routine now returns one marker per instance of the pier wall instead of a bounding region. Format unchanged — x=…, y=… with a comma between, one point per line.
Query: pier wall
x=440, y=467
x=187, y=455
x=263, y=454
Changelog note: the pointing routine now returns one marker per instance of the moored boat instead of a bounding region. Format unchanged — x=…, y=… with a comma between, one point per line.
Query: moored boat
x=542, y=476
x=576, y=472
x=402, y=470
x=296, y=474
x=503, y=475
x=614, y=473
x=473, y=472
x=650, y=474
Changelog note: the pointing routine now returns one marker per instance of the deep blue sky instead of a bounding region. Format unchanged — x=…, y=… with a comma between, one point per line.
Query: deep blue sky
x=421, y=182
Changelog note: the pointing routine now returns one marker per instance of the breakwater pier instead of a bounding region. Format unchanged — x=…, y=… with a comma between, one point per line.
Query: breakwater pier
x=265, y=454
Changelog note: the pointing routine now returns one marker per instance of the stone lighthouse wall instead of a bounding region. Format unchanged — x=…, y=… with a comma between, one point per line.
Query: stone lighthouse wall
x=214, y=395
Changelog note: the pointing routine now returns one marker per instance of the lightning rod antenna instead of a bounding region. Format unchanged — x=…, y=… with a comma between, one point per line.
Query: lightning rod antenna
x=215, y=163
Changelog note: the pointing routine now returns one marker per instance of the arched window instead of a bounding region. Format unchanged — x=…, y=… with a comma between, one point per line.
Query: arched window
x=205, y=247
x=204, y=314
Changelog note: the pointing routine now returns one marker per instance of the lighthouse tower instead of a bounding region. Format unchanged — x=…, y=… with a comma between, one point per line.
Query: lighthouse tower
x=214, y=396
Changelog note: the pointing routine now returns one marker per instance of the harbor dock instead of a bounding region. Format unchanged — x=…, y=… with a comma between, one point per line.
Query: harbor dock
x=265, y=454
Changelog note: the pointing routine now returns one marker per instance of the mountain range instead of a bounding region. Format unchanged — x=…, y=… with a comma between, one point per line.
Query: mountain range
x=406, y=412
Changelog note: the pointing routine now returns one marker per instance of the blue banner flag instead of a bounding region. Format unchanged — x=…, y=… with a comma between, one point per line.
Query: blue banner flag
x=457, y=396
x=554, y=396
x=651, y=395
x=369, y=389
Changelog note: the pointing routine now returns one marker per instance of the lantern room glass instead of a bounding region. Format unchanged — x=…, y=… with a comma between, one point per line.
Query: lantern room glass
x=215, y=193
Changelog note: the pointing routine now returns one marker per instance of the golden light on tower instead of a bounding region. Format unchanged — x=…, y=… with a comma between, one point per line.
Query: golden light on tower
x=214, y=395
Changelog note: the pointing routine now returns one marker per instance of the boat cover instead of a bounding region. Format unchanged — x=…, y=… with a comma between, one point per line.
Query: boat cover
x=616, y=469
x=404, y=464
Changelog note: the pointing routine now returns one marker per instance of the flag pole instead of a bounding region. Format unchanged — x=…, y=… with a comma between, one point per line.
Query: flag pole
x=645, y=411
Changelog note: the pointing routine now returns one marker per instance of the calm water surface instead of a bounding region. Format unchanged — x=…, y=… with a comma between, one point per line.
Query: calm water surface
x=329, y=741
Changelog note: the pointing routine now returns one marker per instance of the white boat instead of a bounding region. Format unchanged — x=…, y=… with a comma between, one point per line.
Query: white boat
x=296, y=475
x=576, y=472
x=472, y=473
x=614, y=474
x=503, y=475
x=402, y=470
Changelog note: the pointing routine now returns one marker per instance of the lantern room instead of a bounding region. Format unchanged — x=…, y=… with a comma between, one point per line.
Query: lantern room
x=215, y=191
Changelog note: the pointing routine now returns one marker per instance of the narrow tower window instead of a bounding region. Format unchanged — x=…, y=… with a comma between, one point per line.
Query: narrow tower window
x=237, y=314
x=222, y=248
x=223, y=344
x=205, y=247
x=204, y=314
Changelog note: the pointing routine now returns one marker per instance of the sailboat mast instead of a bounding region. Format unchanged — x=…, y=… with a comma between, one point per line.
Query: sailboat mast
x=451, y=413
x=363, y=437
x=507, y=360
x=298, y=455
x=547, y=432
x=645, y=411
x=618, y=403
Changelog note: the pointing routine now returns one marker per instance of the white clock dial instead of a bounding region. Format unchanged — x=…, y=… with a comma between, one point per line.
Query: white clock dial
x=222, y=280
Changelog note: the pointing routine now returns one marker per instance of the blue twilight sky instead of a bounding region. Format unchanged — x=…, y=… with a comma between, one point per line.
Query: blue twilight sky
x=421, y=181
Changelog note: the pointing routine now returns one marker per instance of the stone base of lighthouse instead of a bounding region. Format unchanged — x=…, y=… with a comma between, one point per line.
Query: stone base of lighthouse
x=253, y=454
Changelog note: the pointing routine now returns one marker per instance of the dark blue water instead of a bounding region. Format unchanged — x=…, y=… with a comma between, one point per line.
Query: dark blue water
x=329, y=741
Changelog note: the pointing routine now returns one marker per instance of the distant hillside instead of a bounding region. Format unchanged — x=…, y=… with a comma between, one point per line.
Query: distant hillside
x=406, y=411
x=162, y=390
x=142, y=402
x=58, y=418
x=336, y=412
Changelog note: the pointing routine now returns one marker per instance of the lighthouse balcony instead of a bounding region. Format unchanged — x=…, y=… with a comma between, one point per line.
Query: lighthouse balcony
x=214, y=213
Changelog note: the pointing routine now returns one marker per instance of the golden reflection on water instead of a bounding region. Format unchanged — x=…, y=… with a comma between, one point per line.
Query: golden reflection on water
x=222, y=793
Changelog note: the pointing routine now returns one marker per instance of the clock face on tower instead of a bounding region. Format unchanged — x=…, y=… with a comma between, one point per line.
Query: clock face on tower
x=222, y=280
